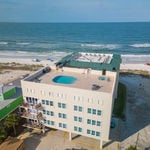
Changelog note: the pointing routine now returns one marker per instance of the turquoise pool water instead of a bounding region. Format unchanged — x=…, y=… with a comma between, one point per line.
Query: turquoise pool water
x=103, y=78
x=64, y=79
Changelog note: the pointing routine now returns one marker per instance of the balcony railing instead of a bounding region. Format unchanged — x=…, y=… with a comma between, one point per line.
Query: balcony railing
x=26, y=105
x=33, y=116
x=34, y=125
x=38, y=106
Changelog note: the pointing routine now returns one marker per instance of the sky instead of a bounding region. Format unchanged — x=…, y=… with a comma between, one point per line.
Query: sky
x=74, y=10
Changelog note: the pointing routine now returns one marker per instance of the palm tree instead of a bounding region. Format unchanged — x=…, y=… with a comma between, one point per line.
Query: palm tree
x=11, y=121
x=3, y=133
x=132, y=148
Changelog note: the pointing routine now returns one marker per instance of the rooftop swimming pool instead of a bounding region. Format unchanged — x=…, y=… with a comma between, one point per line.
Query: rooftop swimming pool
x=103, y=78
x=64, y=79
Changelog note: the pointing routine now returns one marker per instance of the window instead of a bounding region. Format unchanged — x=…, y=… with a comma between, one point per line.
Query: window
x=80, y=119
x=75, y=128
x=52, y=123
x=64, y=125
x=44, y=111
x=48, y=122
x=43, y=101
x=80, y=108
x=64, y=116
x=48, y=112
x=60, y=115
x=80, y=129
x=88, y=131
x=88, y=121
x=75, y=108
x=47, y=102
x=75, y=118
x=51, y=103
x=89, y=110
x=52, y=113
x=93, y=132
x=63, y=105
x=99, y=112
x=93, y=122
x=59, y=105
x=98, y=123
x=44, y=121
x=94, y=111
x=60, y=124
x=97, y=133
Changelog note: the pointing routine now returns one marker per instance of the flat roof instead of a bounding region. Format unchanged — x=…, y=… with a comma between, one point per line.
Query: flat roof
x=84, y=80
x=6, y=102
x=94, y=57
x=96, y=61
x=5, y=88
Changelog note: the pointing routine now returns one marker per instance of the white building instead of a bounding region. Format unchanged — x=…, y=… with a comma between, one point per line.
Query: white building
x=76, y=96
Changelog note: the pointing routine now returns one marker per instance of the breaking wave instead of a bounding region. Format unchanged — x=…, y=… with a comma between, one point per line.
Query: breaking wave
x=145, y=45
x=3, y=43
x=102, y=46
x=23, y=43
x=21, y=52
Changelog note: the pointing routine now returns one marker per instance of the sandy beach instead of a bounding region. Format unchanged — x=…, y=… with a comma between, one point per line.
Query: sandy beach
x=143, y=67
x=127, y=62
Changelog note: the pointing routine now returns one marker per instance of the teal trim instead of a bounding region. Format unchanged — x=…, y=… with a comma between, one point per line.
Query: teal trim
x=10, y=108
x=70, y=61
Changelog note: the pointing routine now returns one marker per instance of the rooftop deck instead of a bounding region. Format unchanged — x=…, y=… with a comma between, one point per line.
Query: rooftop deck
x=96, y=61
x=94, y=57
x=84, y=80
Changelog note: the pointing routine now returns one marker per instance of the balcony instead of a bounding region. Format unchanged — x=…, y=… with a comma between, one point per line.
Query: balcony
x=38, y=106
x=34, y=125
x=33, y=116
x=39, y=116
x=34, y=106
x=24, y=105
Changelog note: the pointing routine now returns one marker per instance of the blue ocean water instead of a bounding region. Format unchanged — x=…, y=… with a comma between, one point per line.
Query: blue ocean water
x=120, y=38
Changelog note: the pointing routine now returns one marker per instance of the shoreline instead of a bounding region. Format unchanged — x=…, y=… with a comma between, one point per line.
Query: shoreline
x=126, y=66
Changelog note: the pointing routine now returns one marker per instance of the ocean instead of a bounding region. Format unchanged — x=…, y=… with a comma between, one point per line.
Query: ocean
x=45, y=39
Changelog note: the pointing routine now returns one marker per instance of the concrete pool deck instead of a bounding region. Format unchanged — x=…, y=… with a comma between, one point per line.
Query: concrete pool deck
x=84, y=81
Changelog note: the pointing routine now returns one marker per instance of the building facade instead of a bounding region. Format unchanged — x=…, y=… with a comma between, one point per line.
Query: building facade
x=76, y=96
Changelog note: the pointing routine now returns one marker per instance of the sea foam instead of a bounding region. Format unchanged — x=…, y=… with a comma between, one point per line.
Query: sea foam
x=102, y=46
x=22, y=43
x=3, y=43
x=144, y=45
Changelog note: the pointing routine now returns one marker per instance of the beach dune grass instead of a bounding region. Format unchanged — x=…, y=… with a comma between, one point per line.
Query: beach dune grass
x=120, y=101
x=17, y=66
x=137, y=72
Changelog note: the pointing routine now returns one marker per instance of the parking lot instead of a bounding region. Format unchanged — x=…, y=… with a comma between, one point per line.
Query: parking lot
x=59, y=140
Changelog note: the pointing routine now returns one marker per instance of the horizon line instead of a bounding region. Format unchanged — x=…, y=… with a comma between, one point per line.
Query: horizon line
x=78, y=22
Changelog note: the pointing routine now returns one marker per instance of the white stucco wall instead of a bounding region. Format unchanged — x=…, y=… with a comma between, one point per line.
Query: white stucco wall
x=73, y=96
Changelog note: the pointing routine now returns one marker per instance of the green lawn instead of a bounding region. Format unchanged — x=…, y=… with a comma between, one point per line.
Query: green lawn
x=120, y=102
